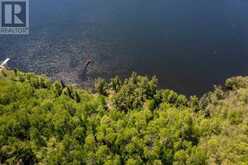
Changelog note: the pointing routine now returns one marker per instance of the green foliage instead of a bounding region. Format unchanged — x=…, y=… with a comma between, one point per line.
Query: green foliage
x=131, y=93
x=125, y=122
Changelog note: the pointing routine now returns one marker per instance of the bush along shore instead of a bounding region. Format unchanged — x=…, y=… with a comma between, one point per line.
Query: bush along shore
x=127, y=121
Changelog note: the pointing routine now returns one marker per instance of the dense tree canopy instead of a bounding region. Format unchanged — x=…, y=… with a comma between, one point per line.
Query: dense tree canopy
x=126, y=121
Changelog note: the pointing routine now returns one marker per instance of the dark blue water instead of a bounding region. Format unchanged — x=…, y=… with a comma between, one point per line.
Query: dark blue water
x=188, y=44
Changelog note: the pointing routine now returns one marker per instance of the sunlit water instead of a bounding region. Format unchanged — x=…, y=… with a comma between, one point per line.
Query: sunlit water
x=188, y=44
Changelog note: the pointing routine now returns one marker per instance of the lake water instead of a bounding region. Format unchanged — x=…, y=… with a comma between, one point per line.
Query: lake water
x=188, y=44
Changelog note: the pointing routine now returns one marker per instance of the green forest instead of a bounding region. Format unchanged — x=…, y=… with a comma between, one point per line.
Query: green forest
x=120, y=122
